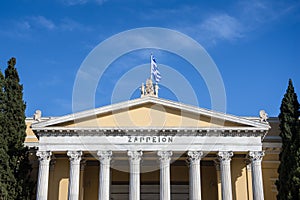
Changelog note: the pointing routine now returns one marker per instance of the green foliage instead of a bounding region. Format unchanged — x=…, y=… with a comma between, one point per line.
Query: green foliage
x=15, y=167
x=6, y=176
x=288, y=183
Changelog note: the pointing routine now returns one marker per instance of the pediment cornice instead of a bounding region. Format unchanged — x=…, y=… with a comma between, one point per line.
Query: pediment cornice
x=249, y=124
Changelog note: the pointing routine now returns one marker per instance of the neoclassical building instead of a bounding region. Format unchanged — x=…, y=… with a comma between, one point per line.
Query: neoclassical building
x=153, y=148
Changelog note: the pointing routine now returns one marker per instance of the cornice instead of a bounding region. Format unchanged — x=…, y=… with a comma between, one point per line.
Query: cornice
x=230, y=131
x=154, y=100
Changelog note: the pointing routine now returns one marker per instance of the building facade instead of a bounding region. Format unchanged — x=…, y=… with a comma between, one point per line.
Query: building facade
x=153, y=148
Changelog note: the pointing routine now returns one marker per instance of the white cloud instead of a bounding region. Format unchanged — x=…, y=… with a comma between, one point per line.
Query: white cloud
x=164, y=13
x=23, y=28
x=256, y=13
x=221, y=26
x=82, y=2
x=71, y=25
x=100, y=2
x=41, y=21
x=208, y=28
x=24, y=25
x=245, y=17
x=213, y=29
x=74, y=2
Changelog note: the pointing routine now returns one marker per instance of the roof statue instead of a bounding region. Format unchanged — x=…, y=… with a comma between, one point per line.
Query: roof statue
x=149, y=89
x=37, y=115
x=263, y=116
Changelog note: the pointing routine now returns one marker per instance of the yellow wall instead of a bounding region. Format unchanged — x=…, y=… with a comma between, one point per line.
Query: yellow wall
x=30, y=134
x=209, y=184
x=239, y=179
x=59, y=180
x=91, y=182
x=149, y=115
x=270, y=165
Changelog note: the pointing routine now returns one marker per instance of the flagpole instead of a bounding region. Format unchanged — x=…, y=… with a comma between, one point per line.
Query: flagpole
x=151, y=66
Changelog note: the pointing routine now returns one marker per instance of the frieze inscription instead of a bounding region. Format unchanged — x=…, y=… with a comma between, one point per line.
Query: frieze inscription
x=150, y=139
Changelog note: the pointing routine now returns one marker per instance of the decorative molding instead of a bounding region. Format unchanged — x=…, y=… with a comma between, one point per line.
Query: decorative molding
x=170, y=131
x=256, y=156
x=31, y=144
x=44, y=155
x=225, y=156
x=135, y=155
x=165, y=155
x=154, y=100
x=195, y=156
x=104, y=156
x=74, y=156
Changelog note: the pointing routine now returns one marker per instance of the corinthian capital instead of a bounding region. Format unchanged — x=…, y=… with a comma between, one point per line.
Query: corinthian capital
x=104, y=156
x=225, y=156
x=256, y=156
x=135, y=155
x=44, y=155
x=195, y=156
x=165, y=155
x=75, y=155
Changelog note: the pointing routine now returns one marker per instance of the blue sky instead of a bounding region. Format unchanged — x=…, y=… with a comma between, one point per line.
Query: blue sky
x=254, y=43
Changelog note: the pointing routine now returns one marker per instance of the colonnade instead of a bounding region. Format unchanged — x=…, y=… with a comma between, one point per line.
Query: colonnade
x=135, y=157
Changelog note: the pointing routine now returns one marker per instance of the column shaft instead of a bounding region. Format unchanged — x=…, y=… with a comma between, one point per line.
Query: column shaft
x=217, y=165
x=257, y=183
x=75, y=157
x=195, y=177
x=81, y=188
x=249, y=181
x=134, y=162
x=225, y=158
x=165, y=186
x=104, y=174
x=43, y=177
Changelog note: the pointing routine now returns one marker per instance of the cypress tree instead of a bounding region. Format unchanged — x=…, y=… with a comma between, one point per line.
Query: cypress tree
x=289, y=133
x=15, y=132
x=6, y=175
x=295, y=170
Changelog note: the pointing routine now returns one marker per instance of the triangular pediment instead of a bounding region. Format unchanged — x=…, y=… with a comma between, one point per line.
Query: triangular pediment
x=150, y=112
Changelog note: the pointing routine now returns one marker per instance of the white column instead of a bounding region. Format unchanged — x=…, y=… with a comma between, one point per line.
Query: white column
x=249, y=180
x=257, y=182
x=134, y=162
x=104, y=174
x=225, y=158
x=75, y=157
x=81, y=188
x=43, y=177
x=195, y=178
x=217, y=165
x=165, y=187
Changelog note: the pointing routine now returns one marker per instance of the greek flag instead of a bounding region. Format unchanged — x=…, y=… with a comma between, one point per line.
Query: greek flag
x=154, y=70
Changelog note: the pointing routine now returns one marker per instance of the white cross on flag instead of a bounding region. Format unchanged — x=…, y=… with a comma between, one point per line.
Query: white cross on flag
x=154, y=69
